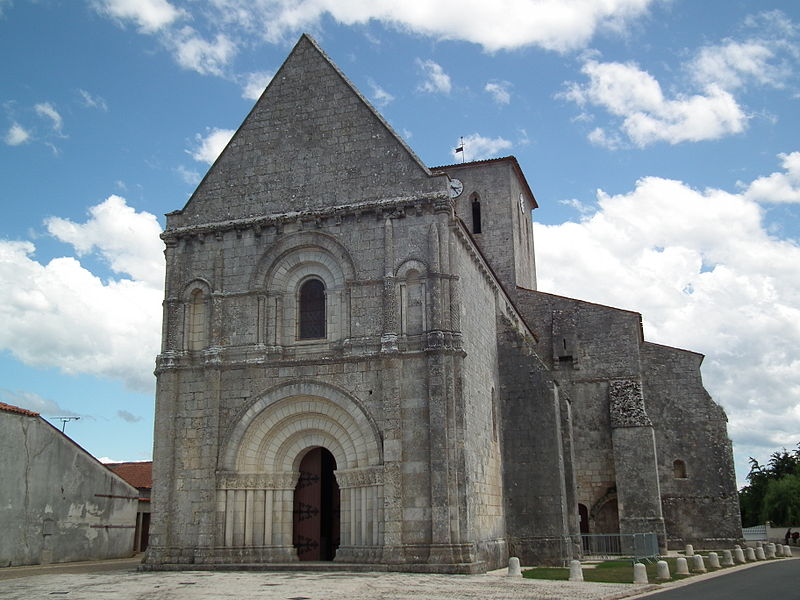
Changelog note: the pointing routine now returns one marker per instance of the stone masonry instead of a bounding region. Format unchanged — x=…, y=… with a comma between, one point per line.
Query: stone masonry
x=467, y=415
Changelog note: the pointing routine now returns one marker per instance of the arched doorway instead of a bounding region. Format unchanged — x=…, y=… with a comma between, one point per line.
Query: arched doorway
x=606, y=518
x=583, y=513
x=316, y=510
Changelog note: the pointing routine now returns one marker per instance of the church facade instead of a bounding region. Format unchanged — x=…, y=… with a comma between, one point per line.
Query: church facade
x=356, y=366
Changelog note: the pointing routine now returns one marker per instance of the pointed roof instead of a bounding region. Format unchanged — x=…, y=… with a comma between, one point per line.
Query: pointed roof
x=311, y=141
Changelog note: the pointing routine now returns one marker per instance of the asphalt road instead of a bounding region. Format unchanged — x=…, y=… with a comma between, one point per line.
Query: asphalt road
x=778, y=580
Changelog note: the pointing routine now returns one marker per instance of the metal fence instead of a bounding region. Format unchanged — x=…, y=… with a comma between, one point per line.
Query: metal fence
x=752, y=534
x=637, y=546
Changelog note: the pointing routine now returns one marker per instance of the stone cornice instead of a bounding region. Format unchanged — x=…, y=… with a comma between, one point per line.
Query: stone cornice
x=382, y=208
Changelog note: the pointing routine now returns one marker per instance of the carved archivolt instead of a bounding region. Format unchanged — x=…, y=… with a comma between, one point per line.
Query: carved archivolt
x=273, y=434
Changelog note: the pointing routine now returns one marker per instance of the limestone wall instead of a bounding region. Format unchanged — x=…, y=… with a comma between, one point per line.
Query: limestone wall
x=701, y=504
x=537, y=517
x=481, y=412
x=506, y=237
x=312, y=141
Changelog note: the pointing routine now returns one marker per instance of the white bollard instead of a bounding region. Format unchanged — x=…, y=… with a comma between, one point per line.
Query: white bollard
x=713, y=560
x=640, y=573
x=749, y=554
x=513, y=567
x=727, y=558
x=698, y=566
x=778, y=549
x=662, y=570
x=681, y=566
x=739, y=553
x=760, y=554
x=770, y=550
x=787, y=551
x=689, y=550
x=575, y=570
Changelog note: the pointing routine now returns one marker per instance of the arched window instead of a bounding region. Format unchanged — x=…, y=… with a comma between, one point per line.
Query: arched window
x=412, y=306
x=476, y=213
x=197, y=337
x=679, y=469
x=312, y=310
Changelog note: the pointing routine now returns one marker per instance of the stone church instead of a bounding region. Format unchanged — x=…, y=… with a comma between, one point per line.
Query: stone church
x=356, y=366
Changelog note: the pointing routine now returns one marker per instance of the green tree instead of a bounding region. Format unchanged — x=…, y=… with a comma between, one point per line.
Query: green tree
x=762, y=481
x=782, y=501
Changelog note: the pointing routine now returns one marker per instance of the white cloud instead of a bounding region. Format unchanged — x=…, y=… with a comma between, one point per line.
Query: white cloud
x=17, y=135
x=149, y=15
x=436, y=80
x=477, y=147
x=47, y=110
x=93, y=101
x=778, y=187
x=706, y=275
x=188, y=176
x=128, y=417
x=194, y=53
x=559, y=25
x=379, y=95
x=34, y=402
x=117, y=231
x=209, y=147
x=645, y=115
x=732, y=64
x=577, y=205
x=255, y=84
x=60, y=314
x=499, y=91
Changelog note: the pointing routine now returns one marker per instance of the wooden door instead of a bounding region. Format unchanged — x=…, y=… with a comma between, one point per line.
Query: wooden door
x=316, y=507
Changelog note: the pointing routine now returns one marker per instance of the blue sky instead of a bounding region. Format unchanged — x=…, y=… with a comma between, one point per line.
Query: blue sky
x=659, y=137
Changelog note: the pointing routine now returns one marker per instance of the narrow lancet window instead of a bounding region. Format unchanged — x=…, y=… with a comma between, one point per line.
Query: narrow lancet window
x=198, y=321
x=476, y=214
x=312, y=310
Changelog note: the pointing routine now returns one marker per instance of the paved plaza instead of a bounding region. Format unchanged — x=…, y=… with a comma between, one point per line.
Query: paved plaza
x=199, y=585
x=119, y=580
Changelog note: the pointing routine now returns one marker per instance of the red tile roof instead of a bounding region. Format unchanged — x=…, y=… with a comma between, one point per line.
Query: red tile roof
x=16, y=409
x=138, y=474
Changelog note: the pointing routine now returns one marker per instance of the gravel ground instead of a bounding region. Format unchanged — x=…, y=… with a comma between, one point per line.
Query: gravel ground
x=200, y=585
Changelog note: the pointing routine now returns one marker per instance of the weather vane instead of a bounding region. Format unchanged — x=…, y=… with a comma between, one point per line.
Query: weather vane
x=460, y=148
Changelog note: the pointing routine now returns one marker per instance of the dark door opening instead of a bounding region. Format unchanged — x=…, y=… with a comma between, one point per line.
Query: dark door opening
x=316, y=507
x=583, y=512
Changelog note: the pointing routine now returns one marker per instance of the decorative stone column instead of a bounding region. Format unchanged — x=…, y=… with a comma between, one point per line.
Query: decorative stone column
x=255, y=517
x=362, y=514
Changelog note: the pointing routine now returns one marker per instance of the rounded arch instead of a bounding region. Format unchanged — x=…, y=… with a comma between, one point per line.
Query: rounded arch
x=290, y=418
x=198, y=283
x=196, y=298
x=407, y=268
x=327, y=249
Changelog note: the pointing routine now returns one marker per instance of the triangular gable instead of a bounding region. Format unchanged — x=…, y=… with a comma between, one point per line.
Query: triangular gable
x=311, y=141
